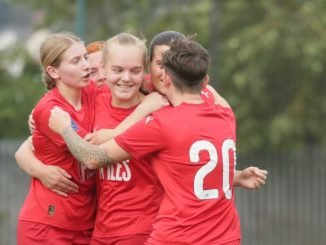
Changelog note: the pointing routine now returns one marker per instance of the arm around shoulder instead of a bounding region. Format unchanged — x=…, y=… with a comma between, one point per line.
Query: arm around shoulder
x=52, y=177
x=26, y=159
x=218, y=99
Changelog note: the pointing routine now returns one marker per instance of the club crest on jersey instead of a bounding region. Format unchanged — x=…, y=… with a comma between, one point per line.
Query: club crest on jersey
x=51, y=210
x=74, y=125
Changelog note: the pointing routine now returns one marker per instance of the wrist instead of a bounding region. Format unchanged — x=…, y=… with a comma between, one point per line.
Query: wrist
x=236, y=179
x=137, y=115
x=37, y=170
x=141, y=111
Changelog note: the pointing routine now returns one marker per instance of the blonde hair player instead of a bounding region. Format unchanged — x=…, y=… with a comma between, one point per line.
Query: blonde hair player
x=46, y=216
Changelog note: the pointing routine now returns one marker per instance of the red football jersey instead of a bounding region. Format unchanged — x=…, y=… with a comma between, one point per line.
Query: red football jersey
x=77, y=211
x=193, y=149
x=129, y=193
x=207, y=96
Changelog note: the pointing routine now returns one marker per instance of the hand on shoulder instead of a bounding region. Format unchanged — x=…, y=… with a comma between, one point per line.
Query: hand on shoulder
x=218, y=99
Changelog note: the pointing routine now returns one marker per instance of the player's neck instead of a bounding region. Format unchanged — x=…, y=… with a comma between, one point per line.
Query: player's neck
x=72, y=95
x=127, y=103
x=178, y=99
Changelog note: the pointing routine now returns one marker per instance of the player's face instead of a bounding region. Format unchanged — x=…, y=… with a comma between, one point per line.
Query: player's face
x=156, y=68
x=96, y=71
x=125, y=73
x=73, y=70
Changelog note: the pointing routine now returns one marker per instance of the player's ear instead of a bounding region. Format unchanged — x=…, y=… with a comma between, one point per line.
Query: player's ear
x=52, y=71
x=205, y=81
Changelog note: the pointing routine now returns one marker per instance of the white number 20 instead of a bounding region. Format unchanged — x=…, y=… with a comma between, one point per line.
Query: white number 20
x=210, y=166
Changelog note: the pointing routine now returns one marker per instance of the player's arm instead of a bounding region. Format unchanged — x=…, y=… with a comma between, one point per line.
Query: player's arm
x=52, y=177
x=151, y=103
x=31, y=122
x=218, y=99
x=92, y=156
x=250, y=178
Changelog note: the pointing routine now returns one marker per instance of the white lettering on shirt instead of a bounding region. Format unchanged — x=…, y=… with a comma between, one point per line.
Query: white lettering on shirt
x=85, y=173
x=116, y=172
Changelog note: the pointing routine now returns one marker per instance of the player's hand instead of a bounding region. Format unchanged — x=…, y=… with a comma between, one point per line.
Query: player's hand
x=251, y=178
x=152, y=102
x=31, y=123
x=59, y=120
x=101, y=136
x=57, y=180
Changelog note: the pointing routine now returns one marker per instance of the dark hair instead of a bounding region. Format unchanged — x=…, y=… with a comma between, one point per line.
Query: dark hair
x=186, y=63
x=163, y=38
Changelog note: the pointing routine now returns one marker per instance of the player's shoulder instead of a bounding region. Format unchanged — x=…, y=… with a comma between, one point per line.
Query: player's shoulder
x=161, y=113
x=161, y=116
x=91, y=91
x=47, y=102
x=207, y=96
x=225, y=113
x=103, y=97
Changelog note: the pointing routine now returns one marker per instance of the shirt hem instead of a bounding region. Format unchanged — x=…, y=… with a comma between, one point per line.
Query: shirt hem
x=72, y=227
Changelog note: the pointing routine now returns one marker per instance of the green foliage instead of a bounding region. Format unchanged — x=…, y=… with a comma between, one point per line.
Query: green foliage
x=18, y=95
x=268, y=60
x=273, y=65
x=17, y=100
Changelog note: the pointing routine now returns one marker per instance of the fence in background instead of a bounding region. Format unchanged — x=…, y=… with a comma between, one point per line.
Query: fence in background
x=289, y=210
x=13, y=189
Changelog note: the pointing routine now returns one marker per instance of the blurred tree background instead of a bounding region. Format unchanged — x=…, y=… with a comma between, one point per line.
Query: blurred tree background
x=268, y=60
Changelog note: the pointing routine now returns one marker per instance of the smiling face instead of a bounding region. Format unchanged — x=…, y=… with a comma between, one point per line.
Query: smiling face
x=124, y=70
x=156, y=68
x=73, y=71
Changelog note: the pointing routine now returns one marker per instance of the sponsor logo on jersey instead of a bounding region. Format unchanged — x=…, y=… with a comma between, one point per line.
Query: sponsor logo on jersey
x=205, y=94
x=148, y=119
